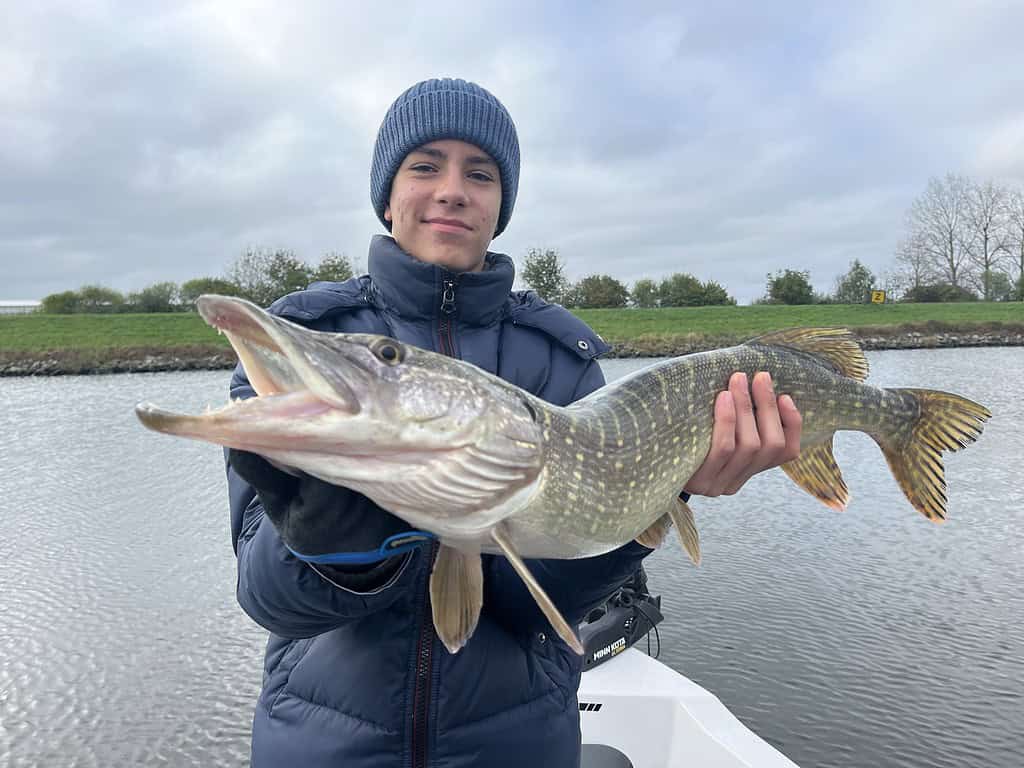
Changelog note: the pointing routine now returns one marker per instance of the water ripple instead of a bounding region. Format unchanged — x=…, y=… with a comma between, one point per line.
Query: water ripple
x=856, y=639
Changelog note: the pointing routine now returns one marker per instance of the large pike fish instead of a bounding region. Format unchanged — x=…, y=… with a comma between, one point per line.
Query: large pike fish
x=488, y=467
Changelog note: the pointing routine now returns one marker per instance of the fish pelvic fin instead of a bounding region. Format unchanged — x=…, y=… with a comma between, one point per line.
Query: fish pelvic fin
x=456, y=595
x=500, y=536
x=654, y=536
x=682, y=517
x=816, y=471
x=836, y=346
x=946, y=422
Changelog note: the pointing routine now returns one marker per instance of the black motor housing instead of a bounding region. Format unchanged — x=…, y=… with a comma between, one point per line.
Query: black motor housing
x=626, y=617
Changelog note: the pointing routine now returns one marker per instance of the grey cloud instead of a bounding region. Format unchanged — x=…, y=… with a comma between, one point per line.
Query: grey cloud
x=142, y=144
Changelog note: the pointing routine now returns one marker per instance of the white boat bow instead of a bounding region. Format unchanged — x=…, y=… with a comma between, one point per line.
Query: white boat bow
x=656, y=717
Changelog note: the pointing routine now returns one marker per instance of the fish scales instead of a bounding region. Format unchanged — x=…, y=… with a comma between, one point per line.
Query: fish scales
x=593, y=443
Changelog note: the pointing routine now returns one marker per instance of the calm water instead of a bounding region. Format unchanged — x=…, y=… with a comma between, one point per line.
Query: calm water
x=863, y=638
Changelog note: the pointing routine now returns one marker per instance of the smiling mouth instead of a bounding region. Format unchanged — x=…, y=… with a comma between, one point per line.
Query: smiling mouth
x=449, y=225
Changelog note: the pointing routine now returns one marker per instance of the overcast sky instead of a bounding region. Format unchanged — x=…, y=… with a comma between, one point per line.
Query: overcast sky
x=151, y=141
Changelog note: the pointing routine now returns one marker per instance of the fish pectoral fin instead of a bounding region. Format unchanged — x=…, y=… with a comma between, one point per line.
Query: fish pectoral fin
x=682, y=517
x=816, y=471
x=456, y=595
x=554, y=616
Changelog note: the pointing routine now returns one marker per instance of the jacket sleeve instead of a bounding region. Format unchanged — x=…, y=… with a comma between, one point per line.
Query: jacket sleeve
x=285, y=595
x=575, y=586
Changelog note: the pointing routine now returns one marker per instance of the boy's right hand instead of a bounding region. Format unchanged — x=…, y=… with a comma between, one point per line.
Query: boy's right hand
x=318, y=521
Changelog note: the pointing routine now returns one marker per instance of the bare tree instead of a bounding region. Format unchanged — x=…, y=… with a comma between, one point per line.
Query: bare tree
x=986, y=244
x=914, y=264
x=939, y=227
x=894, y=284
x=1015, y=244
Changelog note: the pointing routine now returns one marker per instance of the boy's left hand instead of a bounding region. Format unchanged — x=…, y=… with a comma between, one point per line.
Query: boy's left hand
x=749, y=436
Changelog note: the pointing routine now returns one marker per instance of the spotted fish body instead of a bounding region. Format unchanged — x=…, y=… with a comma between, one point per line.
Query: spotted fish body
x=616, y=460
x=487, y=467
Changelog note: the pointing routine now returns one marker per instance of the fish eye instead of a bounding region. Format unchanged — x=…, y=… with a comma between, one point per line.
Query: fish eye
x=389, y=352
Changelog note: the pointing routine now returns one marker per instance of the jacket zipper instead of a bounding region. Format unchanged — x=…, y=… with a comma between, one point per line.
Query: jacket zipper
x=446, y=340
x=421, y=687
x=425, y=643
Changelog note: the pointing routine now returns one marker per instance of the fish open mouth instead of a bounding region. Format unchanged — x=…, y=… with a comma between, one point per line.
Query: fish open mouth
x=291, y=390
x=269, y=350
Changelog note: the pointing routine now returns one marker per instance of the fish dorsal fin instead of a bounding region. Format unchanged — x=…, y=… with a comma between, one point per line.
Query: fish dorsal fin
x=554, y=616
x=456, y=595
x=837, y=346
x=816, y=471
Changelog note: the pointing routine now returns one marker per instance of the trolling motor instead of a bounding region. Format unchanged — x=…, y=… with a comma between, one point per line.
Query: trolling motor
x=628, y=615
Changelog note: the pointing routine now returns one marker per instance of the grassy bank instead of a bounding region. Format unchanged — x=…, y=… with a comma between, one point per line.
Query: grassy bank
x=39, y=333
x=56, y=344
x=742, y=322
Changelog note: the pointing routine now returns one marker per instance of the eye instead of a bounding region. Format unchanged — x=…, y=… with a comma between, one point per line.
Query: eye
x=480, y=176
x=422, y=168
x=389, y=352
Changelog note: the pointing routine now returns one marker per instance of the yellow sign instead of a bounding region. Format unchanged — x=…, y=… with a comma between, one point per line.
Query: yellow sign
x=878, y=297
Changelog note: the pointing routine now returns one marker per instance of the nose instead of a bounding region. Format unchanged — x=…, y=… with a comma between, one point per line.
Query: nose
x=451, y=187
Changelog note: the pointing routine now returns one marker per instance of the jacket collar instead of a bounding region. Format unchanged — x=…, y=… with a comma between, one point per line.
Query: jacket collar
x=415, y=289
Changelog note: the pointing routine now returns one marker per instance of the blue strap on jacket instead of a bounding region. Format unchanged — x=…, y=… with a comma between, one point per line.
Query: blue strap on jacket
x=396, y=544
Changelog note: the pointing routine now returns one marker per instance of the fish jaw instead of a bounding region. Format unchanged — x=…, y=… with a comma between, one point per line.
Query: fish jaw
x=256, y=424
x=272, y=352
x=296, y=405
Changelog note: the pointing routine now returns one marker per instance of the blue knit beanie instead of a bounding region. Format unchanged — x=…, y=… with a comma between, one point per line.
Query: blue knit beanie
x=445, y=109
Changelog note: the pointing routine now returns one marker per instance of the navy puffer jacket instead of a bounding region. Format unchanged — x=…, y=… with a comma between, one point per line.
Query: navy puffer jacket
x=359, y=678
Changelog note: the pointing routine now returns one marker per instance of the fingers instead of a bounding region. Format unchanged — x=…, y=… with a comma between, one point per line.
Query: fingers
x=723, y=442
x=744, y=462
x=769, y=422
x=753, y=431
x=792, y=425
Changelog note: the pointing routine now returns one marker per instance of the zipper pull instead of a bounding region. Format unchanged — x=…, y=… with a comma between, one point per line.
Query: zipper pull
x=448, y=296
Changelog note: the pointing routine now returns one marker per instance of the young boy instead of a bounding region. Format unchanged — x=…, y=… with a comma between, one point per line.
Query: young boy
x=354, y=673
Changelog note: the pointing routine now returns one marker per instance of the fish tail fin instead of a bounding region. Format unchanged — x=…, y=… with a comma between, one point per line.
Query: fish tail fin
x=946, y=422
x=816, y=471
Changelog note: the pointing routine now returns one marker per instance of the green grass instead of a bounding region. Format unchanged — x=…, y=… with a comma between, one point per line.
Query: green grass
x=631, y=324
x=38, y=332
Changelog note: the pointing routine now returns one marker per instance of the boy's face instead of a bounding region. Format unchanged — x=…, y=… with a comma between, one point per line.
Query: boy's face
x=444, y=205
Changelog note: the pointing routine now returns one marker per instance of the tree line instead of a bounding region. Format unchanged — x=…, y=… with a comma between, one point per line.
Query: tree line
x=259, y=275
x=964, y=241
